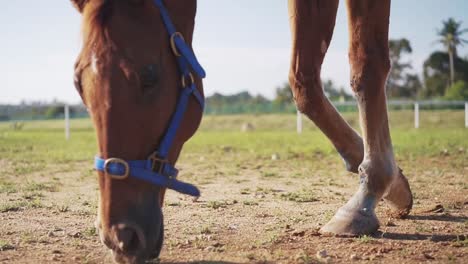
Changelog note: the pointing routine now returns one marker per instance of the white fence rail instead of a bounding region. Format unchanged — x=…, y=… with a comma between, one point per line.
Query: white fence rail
x=416, y=115
x=466, y=114
x=299, y=126
x=67, y=121
x=401, y=103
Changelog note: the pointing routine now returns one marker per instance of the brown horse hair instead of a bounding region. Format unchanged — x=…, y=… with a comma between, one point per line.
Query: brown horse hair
x=96, y=14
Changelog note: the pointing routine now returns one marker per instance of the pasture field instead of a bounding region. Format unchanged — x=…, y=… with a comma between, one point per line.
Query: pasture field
x=265, y=193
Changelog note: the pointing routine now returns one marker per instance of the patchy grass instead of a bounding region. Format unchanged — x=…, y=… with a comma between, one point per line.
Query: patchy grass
x=305, y=258
x=218, y=204
x=4, y=245
x=299, y=197
x=173, y=203
x=12, y=206
x=270, y=174
x=62, y=208
x=90, y=231
x=206, y=230
x=365, y=239
x=250, y=203
x=38, y=187
x=461, y=241
x=8, y=187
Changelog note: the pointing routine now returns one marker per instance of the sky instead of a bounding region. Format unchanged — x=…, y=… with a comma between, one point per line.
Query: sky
x=242, y=44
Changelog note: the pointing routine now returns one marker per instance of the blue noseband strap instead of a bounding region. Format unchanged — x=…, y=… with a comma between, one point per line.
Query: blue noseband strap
x=156, y=169
x=139, y=170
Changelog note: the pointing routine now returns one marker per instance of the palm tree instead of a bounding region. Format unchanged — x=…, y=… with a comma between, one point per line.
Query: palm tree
x=450, y=37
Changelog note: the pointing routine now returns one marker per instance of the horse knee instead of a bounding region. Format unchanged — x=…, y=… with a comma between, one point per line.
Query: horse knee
x=307, y=93
x=369, y=70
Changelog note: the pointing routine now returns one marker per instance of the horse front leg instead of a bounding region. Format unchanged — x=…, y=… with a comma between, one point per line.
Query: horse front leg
x=379, y=175
x=312, y=23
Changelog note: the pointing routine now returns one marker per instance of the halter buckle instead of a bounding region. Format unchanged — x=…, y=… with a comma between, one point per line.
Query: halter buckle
x=173, y=44
x=118, y=161
x=157, y=163
x=184, y=82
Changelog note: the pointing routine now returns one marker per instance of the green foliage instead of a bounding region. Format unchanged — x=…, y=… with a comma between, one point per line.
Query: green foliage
x=401, y=83
x=451, y=35
x=40, y=111
x=335, y=93
x=283, y=102
x=54, y=112
x=238, y=103
x=436, y=78
x=458, y=91
x=284, y=96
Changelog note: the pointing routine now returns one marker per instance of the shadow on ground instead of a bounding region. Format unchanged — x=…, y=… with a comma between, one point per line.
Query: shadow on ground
x=439, y=217
x=201, y=262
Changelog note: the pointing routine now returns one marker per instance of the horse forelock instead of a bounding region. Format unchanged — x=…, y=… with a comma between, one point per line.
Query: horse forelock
x=94, y=27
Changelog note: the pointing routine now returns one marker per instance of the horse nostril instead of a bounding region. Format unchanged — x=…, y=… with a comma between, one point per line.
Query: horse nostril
x=129, y=238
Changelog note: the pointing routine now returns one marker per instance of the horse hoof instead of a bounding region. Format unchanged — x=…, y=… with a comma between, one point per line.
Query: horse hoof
x=399, y=197
x=356, y=217
x=351, y=223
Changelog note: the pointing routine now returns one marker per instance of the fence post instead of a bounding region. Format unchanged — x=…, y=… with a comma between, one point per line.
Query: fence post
x=67, y=122
x=466, y=114
x=299, y=122
x=416, y=115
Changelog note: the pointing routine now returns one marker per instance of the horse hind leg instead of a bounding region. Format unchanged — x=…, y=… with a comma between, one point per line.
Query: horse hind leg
x=379, y=175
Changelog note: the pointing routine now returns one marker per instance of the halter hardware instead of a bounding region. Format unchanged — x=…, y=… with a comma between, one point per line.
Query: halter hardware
x=157, y=163
x=117, y=161
x=184, y=77
x=173, y=44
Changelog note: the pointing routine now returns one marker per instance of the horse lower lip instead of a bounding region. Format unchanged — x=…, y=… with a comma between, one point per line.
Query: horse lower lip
x=120, y=257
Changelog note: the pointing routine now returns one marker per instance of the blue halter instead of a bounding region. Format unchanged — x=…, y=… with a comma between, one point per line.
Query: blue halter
x=157, y=169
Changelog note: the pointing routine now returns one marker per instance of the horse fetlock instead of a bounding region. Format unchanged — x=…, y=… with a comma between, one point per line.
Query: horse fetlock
x=377, y=175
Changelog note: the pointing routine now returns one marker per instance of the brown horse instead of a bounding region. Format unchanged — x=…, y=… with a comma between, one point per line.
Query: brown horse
x=127, y=76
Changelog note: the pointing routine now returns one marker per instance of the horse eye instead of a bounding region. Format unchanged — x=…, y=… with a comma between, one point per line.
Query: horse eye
x=149, y=76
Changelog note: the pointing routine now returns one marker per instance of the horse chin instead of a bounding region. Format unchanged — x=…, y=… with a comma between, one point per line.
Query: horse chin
x=121, y=258
x=139, y=256
x=159, y=243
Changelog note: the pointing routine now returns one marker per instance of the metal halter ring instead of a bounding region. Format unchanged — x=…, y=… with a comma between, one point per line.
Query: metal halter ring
x=184, y=77
x=173, y=44
x=119, y=161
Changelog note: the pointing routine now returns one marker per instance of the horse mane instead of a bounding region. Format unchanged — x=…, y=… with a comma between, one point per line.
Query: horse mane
x=94, y=29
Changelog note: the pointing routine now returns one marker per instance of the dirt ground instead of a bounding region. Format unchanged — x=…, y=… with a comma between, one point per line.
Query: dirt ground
x=252, y=210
